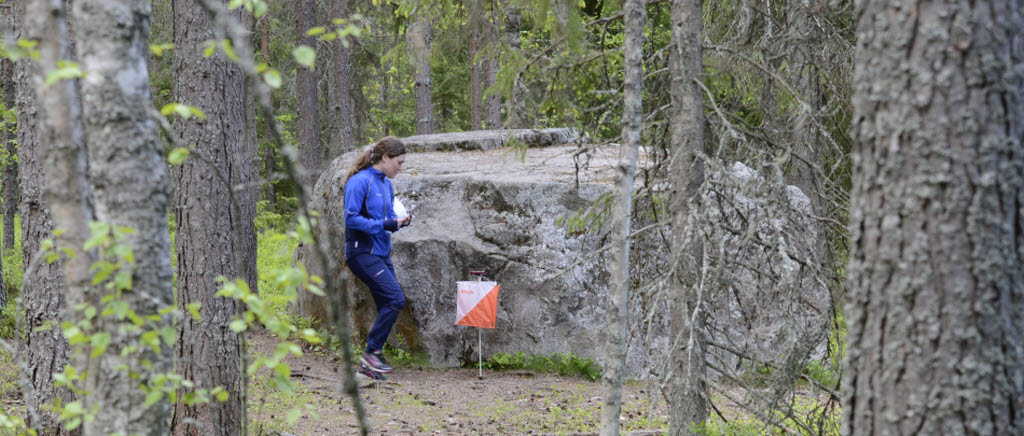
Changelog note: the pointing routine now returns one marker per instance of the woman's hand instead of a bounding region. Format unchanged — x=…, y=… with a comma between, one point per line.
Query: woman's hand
x=405, y=222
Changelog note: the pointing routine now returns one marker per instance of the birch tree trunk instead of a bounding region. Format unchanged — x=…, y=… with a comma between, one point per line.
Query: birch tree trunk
x=208, y=352
x=41, y=351
x=936, y=274
x=342, y=137
x=310, y=151
x=130, y=189
x=635, y=17
x=688, y=369
x=419, y=50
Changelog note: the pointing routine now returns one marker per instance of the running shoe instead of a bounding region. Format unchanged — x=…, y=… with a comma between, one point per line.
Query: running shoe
x=375, y=361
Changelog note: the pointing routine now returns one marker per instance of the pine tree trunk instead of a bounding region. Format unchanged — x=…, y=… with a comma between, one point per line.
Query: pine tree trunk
x=7, y=141
x=418, y=34
x=7, y=136
x=42, y=351
x=208, y=352
x=269, y=157
x=687, y=384
x=342, y=114
x=635, y=17
x=492, y=100
x=515, y=110
x=476, y=108
x=936, y=274
x=246, y=179
x=310, y=151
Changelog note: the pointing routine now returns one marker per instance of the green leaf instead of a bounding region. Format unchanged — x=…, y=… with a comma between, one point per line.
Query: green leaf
x=193, y=308
x=177, y=156
x=169, y=334
x=229, y=50
x=305, y=56
x=220, y=394
x=74, y=408
x=182, y=110
x=99, y=232
x=65, y=70
x=153, y=396
x=99, y=343
x=294, y=415
x=123, y=280
x=124, y=251
x=237, y=326
x=211, y=48
x=159, y=49
x=273, y=78
x=315, y=31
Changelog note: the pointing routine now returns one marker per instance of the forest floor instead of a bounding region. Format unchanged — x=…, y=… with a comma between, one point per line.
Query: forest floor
x=443, y=401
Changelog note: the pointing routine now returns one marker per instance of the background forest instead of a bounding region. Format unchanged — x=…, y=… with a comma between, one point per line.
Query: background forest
x=901, y=123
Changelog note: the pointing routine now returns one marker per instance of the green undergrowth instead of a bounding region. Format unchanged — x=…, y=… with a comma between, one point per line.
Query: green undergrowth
x=565, y=364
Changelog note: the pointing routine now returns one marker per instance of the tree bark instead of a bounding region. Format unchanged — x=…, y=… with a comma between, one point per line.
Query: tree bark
x=208, y=352
x=492, y=100
x=342, y=118
x=246, y=179
x=42, y=351
x=936, y=274
x=310, y=151
x=688, y=373
x=7, y=142
x=515, y=110
x=418, y=34
x=476, y=108
x=269, y=157
x=635, y=17
x=10, y=176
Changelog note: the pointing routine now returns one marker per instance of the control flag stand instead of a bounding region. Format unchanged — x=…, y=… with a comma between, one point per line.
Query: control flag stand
x=477, y=306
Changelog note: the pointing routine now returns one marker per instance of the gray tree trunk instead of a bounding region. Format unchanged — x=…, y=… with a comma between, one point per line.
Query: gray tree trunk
x=476, y=108
x=208, y=352
x=10, y=176
x=130, y=189
x=418, y=34
x=342, y=114
x=42, y=351
x=7, y=141
x=245, y=179
x=310, y=151
x=688, y=368
x=492, y=100
x=936, y=274
x=515, y=110
x=635, y=17
x=269, y=157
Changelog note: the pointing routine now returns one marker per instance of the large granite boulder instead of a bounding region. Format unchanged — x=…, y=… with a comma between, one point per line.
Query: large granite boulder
x=485, y=207
x=767, y=297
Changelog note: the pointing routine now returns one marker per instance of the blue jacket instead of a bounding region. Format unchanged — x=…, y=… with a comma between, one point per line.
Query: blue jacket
x=369, y=214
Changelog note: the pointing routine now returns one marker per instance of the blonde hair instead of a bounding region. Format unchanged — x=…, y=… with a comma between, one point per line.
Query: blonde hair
x=388, y=145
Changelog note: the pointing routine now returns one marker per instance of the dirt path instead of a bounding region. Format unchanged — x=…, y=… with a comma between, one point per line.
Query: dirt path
x=441, y=401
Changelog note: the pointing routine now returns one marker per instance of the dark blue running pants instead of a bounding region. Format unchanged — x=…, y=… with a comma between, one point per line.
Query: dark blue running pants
x=379, y=275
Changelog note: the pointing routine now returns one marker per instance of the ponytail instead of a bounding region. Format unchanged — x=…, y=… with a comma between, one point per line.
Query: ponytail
x=388, y=145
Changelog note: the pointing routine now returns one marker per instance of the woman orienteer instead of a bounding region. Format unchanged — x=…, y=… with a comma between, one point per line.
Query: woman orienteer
x=369, y=221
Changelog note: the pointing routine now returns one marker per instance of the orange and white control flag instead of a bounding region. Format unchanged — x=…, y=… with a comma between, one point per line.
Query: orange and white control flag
x=478, y=304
